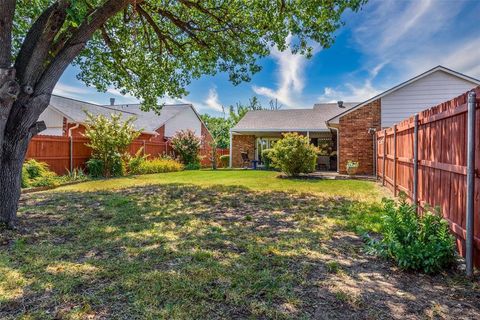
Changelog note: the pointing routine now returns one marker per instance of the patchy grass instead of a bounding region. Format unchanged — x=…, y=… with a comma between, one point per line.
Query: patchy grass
x=205, y=251
x=250, y=179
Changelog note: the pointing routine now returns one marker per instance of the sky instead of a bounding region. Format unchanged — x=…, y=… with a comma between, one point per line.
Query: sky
x=384, y=44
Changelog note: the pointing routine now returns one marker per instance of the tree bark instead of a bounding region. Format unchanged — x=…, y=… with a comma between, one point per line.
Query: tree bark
x=10, y=181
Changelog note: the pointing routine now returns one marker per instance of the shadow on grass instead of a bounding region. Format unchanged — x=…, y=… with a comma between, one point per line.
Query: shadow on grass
x=182, y=251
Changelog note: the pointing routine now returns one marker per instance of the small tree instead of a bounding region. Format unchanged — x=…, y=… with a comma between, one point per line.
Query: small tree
x=187, y=146
x=109, y=140
x=293, y=155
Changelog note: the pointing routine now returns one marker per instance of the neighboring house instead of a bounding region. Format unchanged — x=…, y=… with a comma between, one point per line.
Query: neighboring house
x=65, y=116
x=352, y=128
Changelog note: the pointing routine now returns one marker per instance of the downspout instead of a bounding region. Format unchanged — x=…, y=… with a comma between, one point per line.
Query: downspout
x=71, y=144
x=230, y=151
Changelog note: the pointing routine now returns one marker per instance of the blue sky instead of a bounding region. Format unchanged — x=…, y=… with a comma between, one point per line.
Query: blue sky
x=389, y=41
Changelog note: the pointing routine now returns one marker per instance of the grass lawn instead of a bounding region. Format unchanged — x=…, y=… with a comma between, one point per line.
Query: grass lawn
x=211, y=245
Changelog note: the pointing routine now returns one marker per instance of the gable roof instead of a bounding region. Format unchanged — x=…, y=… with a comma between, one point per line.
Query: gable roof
x=289, y=119
x=149, y=121
x=403, y=84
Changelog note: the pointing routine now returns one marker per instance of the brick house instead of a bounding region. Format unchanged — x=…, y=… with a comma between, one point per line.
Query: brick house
x=65, y=117
x=351, y=127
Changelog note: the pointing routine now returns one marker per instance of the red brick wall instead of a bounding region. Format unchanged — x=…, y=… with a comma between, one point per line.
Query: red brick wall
x=242, y=144
x=356, y=143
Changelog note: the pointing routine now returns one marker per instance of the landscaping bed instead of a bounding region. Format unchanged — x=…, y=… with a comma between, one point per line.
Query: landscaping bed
x=232, y=249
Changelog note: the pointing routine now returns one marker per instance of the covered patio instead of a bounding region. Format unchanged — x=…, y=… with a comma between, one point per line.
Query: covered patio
x=260, y=129
x=247, y=147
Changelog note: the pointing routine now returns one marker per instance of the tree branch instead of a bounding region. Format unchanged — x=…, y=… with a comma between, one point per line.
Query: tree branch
x=36, y=47
x=162, y=37
x=182, y=25
x=7, y=11
x=77, y=42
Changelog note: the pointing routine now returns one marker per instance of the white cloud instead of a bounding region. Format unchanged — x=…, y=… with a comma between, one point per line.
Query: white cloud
x=411, y=36
x=290, y=74
x=351, y=92
x=62, y=89
x=127, y=98
x=213, y=101
x=408, y=37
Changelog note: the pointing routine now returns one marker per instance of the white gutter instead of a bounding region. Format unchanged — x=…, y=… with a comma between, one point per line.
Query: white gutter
x=280, y=130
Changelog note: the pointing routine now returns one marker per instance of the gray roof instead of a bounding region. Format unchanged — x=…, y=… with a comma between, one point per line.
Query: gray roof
x=149, y=121
x=291, y=119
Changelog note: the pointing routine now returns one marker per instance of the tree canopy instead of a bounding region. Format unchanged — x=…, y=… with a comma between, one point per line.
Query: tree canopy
x=148, y=48
x=153, y=48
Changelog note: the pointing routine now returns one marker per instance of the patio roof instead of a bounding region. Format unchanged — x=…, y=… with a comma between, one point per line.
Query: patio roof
x=290, y=119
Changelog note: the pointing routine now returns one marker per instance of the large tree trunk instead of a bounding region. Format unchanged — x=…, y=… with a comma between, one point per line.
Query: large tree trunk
x=10, y=181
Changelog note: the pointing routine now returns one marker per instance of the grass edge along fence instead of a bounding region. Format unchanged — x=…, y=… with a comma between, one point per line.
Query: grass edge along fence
x=62, y=153
x=439, y=176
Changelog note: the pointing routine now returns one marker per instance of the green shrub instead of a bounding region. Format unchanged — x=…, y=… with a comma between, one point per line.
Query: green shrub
x=187, y=146
x=95, y=168
x=415, y=242
x=158, y=166
x=119, y=167
x=110, y=138
x=35, y=168
x=293, y=154
x=77, y=174
x=37, y=174
x=25, y=178
x=48, y=179
x=267, y=158
x=135, y=161
x=225, y=160
x=193, y=166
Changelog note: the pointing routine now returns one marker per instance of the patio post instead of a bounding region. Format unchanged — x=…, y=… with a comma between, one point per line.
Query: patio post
x=470, y=205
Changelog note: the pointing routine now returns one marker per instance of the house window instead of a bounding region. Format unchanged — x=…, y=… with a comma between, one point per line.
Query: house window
x=262, y=144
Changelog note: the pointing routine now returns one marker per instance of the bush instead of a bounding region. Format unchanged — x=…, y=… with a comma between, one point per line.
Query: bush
x=415, y=242
x=135, y=161
x=109, y=139
x=193, y=166
x=267, y=158
x=25, y=178
x=187, y=146
x=37, y=174
x=293, y=155
x=158, y=166
x=95, y=168
x=35, y=169
x=225, y=160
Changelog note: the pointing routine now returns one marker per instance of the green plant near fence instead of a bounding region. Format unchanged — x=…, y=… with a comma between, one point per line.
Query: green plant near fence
x=415, y=242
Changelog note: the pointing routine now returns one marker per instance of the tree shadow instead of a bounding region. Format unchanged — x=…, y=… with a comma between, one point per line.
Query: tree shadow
x=183, y=251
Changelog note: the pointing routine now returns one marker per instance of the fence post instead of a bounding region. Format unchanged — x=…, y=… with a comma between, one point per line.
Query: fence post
x=394, y=160
x=470, y=182
x=384, y=155
x=415, y=163
x=144, y=148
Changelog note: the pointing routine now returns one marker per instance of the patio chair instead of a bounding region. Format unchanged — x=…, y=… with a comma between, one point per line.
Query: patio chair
x=245, y=159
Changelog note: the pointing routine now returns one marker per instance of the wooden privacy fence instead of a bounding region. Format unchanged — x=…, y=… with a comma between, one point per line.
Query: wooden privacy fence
x=441, y=168
x=60, y=153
